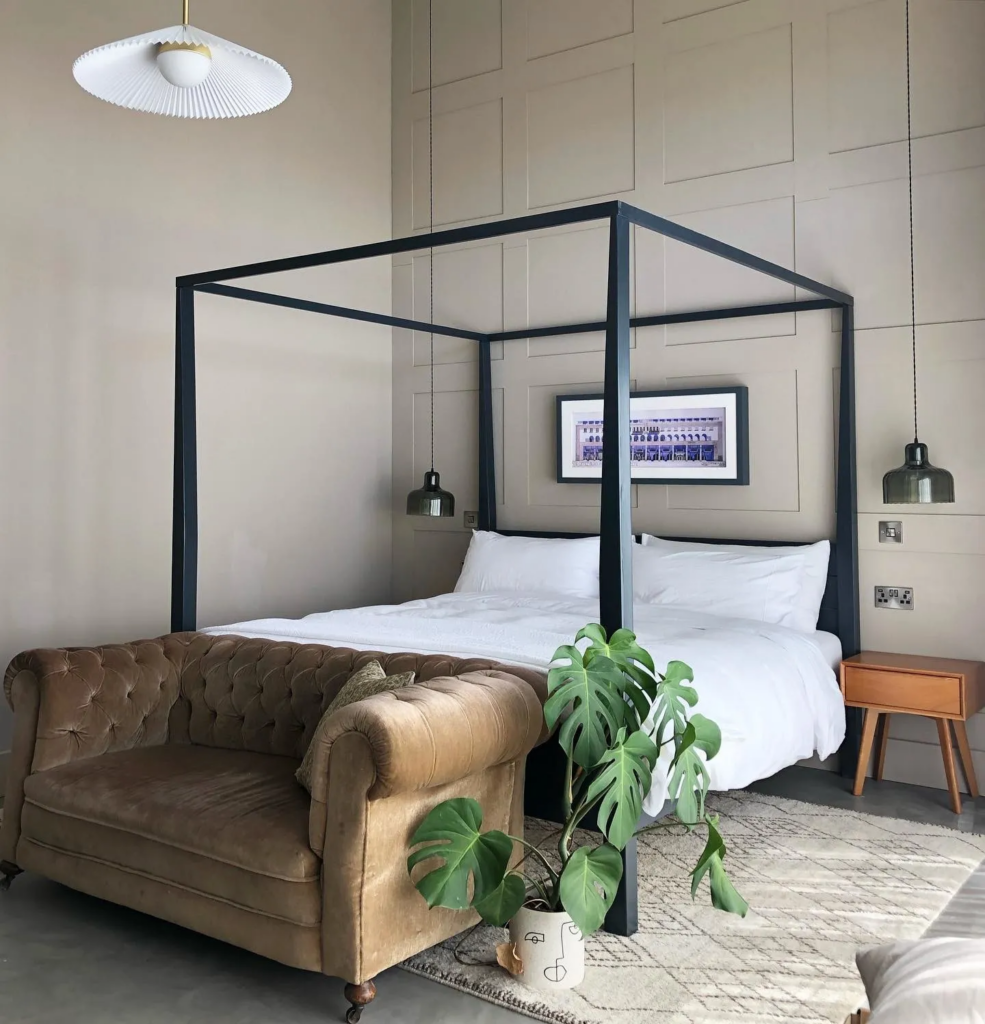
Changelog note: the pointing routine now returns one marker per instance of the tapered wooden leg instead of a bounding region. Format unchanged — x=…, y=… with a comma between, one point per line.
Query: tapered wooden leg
x=359, y=996
x=865, y=750
x=947, y=749
x=883, y=742
x=961, y=734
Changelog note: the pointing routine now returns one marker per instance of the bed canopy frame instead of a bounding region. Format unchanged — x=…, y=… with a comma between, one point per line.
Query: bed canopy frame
x=840, y=613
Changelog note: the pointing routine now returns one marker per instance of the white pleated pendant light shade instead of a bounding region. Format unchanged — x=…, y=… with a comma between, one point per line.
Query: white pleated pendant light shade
x=183, y=72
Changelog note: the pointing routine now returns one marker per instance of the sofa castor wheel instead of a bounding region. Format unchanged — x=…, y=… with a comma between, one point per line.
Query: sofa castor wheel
x=359, y=996
x=9, y=872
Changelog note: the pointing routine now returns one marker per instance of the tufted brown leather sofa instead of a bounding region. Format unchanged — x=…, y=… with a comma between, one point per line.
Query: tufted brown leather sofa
x=160, y=775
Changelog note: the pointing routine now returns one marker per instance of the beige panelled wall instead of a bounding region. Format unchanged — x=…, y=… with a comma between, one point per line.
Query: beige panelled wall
x=100, y=209
x=776, y=125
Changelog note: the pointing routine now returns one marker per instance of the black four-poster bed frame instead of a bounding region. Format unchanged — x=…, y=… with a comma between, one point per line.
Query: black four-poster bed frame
x=840, y=610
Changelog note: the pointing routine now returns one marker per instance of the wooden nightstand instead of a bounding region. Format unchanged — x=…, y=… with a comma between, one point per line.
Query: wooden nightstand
x=944, y=689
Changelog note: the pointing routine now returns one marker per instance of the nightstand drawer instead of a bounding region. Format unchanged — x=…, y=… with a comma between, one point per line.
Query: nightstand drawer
x=936, y=695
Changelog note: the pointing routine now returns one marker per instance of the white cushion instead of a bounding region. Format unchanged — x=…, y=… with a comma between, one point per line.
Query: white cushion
x=781, y=585
x=933, y=981
x=531, y=564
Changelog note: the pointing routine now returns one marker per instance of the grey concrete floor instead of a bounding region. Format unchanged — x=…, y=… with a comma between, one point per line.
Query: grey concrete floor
x=886, y=799
x=66, y=958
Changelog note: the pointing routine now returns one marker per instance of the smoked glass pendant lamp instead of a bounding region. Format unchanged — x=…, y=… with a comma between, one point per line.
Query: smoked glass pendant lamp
x=431, y=499
x=917, y=481
x=182, y=71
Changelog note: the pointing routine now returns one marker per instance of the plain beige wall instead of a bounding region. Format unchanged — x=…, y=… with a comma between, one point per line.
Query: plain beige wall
x=778, y=126
x=100, y=209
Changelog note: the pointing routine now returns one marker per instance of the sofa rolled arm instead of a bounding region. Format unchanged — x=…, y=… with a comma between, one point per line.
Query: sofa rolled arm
x=93, y=700
x=435, y=732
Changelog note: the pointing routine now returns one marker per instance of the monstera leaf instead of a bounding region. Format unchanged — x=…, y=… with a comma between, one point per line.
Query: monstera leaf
x=689, y=779
x=503, y=902
x=623, y=650
x=673, y=699
x=707, y=735
x=451, y=831
x=723, y=894
x=622, y=780
x=593, y=694
x=588, y=885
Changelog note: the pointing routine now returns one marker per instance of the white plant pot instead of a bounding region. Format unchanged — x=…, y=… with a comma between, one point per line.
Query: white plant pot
x=550, y=947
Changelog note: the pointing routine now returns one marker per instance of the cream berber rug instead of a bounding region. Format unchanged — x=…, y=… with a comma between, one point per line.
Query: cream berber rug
x=821, y=882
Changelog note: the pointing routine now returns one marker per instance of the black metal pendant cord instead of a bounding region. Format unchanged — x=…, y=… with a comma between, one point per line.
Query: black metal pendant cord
x=917, y=481
x=431, y=214
x=909, y=164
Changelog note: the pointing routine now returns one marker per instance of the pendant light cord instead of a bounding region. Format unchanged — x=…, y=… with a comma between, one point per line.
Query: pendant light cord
x=909, y=164
x=431, y=214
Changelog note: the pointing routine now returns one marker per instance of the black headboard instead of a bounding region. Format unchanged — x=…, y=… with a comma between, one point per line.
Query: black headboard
x=829, y=620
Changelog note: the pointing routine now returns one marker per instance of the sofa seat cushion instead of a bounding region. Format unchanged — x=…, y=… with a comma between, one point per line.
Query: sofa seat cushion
x=232, y=825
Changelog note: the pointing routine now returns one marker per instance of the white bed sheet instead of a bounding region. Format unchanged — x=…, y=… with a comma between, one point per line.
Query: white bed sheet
x=830, y=647
x=772, y=690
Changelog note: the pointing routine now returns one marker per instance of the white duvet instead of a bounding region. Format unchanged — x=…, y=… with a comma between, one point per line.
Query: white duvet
x=770, y=689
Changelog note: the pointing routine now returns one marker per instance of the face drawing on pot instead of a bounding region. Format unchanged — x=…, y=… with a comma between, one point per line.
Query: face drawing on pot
x=557, y=972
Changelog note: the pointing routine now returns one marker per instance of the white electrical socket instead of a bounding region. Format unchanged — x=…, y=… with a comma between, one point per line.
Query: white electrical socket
x=899, y=598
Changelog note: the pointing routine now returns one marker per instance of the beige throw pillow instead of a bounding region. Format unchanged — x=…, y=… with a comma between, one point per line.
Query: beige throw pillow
x=933, y=981
x=364, y=682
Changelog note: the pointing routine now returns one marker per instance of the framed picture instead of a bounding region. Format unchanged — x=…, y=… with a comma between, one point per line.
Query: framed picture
x=695, y=436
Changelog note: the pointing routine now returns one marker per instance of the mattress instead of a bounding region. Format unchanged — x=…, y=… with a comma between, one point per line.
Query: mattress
x=772, y=690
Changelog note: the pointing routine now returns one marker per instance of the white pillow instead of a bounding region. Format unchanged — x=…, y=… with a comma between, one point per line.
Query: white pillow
x=782, y=585
x=933, y=981
x=544, y=565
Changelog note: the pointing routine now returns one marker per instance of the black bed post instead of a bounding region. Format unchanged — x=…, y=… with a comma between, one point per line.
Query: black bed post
x=487, y=458
x=615, y=517
x=849, y=626
x=184, y=539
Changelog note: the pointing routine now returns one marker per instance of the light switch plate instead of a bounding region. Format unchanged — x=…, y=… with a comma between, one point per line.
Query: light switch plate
x=897, y=598
x=471, y=520
x=890, y=532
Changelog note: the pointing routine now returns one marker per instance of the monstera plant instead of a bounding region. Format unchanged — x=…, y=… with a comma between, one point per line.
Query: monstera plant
x=614, y=714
